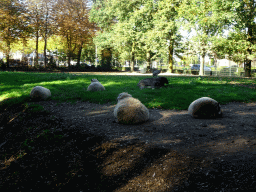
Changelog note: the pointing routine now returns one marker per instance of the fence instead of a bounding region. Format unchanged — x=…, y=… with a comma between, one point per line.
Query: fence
x=232, y=72
x=224, y=71
x=17, y=63
x=220, y=71
x=213, y=71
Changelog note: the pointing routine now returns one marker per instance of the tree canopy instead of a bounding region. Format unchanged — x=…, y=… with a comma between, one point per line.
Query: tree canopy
x=133, y=29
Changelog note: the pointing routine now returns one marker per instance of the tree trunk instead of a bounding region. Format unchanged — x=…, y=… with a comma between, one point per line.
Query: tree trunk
x=170, y=59
x=45, y=45
x=8, y=54
x=69, y=40
x=248, y=63
x=37, y=38
x=148, y=59
x=96, y=56
x=69, y=59
x=201, y=72
x=247, y=68
x=45, y=37
x=106, y=58
x=132, y=63
x=133, y=57
x=79, y=54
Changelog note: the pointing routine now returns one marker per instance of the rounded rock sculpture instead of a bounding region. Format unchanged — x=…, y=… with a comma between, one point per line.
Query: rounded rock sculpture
x=40, y=93
x=205, y=107
x=95, y=86
x=130, y=110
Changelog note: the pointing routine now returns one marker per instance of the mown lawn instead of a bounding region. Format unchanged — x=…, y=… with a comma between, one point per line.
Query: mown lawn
x=15, y=87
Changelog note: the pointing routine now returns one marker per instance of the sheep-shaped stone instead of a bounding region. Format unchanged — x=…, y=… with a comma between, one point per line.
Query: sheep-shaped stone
x=205, y=107
x=40, y=93
x=153, y=82
x=95, y=86
x=156, y=72
x=130, y=110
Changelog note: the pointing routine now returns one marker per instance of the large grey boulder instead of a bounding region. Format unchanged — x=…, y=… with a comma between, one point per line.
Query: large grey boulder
x=205, y=107
x=130, y=110
x=40, y=93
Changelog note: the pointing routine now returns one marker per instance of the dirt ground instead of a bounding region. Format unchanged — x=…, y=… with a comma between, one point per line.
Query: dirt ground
x=226, y=146
x=235, y=132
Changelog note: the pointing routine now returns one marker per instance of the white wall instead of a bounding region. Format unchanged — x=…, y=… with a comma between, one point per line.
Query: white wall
x=17, y=55
x=1, y=55
x=225, y=63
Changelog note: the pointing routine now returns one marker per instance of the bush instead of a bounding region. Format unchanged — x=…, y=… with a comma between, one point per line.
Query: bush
x=117, y=68
x=85, y=66
x=93, y=67
x=52, y=63
x=72, y=67
x=126, y=68
x=2, y=65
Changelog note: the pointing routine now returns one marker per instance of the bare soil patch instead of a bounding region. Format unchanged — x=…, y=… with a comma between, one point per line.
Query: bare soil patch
x=166, y=128
x=84, y=149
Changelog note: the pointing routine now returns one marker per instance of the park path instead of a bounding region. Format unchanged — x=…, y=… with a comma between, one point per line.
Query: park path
x=128, y=73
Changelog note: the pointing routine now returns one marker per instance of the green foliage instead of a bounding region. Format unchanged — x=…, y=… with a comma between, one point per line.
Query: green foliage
x=13, y=24
x=235, y=46
x=134, y=29
x=88, y=53
x=208, y=19
x=52, y=63
x=56, y=42
x=137, y=29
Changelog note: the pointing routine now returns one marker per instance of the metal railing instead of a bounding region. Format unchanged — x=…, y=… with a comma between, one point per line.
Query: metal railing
x=226, y=71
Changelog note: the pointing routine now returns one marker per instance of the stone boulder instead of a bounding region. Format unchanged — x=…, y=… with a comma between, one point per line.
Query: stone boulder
x=130, y=110
x=40, y=93
x=205, y=107
x=95, y=86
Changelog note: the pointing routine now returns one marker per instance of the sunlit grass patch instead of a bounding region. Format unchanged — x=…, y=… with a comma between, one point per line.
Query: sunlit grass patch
x=180, y=92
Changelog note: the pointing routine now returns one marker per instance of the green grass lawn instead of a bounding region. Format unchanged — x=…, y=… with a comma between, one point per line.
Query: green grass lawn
x=15, y=87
